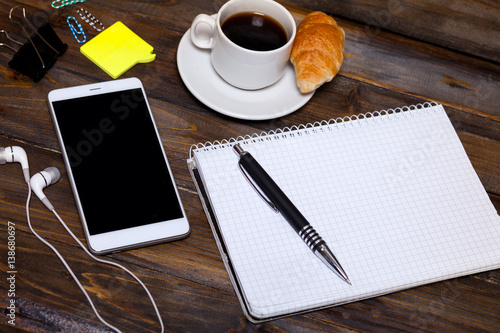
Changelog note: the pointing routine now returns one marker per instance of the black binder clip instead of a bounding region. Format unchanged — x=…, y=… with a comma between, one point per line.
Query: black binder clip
x=35, y=57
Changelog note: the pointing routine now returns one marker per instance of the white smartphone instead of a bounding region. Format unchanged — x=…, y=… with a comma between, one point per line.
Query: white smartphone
x=120, y=176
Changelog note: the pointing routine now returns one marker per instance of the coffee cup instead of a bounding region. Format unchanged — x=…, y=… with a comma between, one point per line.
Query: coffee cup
x=250, y=41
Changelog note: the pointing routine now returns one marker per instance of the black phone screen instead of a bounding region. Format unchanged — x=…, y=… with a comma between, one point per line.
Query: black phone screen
x=117, y=161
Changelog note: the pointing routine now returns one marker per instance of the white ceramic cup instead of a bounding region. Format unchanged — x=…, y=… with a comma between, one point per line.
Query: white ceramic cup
x=241, y=67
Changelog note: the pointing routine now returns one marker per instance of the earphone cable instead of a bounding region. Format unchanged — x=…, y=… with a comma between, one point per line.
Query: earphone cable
x=64, y=262
x=113, y=264
x=93, y=257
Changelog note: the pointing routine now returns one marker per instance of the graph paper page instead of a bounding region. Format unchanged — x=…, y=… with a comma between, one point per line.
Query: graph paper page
x=394, y=196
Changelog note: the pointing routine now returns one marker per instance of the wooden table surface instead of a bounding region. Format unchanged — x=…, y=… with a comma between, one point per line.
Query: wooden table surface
x=397, y=53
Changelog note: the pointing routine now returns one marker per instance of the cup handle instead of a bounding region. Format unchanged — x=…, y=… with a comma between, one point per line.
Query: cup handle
x=204, y=43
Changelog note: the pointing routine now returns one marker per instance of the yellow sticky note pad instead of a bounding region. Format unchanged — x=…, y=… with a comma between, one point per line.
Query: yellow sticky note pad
x=117, y=49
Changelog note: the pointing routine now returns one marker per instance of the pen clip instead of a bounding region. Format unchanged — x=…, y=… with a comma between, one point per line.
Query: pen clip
x=266, y=200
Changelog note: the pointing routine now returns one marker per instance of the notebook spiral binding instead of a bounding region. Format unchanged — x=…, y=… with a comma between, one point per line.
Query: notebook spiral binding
x=305, y=129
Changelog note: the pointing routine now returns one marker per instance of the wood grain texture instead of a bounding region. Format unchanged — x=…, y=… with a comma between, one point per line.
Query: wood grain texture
x=412, y=57
x=469, y=27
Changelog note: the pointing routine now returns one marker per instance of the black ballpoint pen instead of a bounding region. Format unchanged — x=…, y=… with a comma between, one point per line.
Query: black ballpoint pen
x=280, y=203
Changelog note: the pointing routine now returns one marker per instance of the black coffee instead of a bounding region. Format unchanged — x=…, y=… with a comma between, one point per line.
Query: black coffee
x=254, y=31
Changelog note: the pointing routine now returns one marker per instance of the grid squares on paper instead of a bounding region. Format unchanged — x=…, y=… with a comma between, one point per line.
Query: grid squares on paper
x=396, y=199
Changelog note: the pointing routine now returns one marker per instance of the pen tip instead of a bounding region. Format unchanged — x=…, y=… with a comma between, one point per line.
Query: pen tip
x=324, y=253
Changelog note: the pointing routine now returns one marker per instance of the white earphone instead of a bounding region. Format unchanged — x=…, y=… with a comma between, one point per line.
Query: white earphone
x=15, y=154
x=36, y=184
x=43, y=179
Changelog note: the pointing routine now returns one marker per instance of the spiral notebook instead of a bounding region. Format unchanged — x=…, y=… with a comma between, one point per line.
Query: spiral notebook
x=392, y=193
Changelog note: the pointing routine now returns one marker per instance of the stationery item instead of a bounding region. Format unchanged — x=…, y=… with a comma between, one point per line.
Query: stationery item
x=77, y=31
x=117, y=49
x=11, y=39
x=36, y=56
x=393, y=192
x=279, y=202
x=90, y=19
x=62, y=3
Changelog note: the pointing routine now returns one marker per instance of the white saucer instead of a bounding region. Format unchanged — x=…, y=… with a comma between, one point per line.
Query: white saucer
x=205, y=84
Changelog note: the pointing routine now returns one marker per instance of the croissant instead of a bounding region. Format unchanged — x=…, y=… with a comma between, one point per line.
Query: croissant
x=317, y=52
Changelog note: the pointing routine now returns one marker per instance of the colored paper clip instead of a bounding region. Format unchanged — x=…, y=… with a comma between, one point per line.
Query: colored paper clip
x=76, y=31
x=64, y=3
x=37, y=55
x=90, y=19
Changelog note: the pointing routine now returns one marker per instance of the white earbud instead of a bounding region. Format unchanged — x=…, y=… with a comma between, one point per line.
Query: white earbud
x=43, y=179
x=15, y=154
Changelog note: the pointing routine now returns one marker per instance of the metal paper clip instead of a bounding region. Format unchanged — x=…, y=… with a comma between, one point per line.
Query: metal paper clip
x=76, y=31
x=18, y=22
x=90, y=19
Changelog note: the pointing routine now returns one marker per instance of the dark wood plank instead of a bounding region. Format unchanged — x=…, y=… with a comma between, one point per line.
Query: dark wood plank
x=470, y=27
